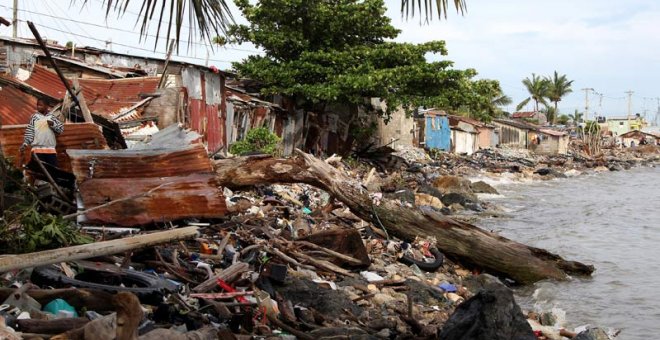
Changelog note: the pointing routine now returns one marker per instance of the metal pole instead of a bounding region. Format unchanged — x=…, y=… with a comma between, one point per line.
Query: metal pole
x=14, y=22
x=52, y=61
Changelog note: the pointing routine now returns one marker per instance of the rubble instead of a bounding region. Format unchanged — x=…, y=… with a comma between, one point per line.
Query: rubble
x=237, y=255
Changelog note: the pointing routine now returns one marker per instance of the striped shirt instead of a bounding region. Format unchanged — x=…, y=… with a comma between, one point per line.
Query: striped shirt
x=39, y=134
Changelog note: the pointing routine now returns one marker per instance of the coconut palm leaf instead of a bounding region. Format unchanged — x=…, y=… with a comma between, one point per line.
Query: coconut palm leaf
x=427, y=8
x=523, y=103
x=537, y=87
x=208, y=18
x=558, y=87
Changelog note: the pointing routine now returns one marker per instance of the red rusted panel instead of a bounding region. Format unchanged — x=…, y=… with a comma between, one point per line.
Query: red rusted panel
x=197, y=117
x=196, y=195
x=109, y=96
x=47, y=82
x=16, y=106
x=88, y=164
x=215, y=135
x=75, y=136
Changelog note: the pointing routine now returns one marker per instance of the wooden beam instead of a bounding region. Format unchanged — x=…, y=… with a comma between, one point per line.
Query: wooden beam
x=85, y=251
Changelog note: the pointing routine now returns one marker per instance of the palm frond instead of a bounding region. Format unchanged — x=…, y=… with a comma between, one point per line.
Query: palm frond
x=523, y=103
x=208, y=18
x=441, y=7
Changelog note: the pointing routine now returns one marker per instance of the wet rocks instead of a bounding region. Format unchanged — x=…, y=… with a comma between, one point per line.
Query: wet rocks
x=481, y=187
x=492, y=314
x=592, y=334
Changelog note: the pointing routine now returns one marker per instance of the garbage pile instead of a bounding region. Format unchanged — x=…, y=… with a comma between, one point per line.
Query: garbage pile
x=271, y=261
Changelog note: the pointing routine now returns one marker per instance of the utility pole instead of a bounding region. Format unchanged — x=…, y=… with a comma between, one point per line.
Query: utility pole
x=629, y=93
x=14, y=23
x=586, y=102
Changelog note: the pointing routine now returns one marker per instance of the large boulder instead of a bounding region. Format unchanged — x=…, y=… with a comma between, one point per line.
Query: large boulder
x=481, y=187
x=459, y=189
x=492, y=314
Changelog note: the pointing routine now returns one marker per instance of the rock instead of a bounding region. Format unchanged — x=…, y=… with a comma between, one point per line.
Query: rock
x=492, y=314
x=428, y=200
x=481, y=187
x=547, y=172
x=601, y=169
x=616, y=167
x=454, y=184
x=384, y=333
x=340, y=333
x=458, y=198
x=592, y=334
x=382, y=299
x=572, y=173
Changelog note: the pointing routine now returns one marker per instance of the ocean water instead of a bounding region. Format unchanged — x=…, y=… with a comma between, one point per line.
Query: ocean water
x=610, y=220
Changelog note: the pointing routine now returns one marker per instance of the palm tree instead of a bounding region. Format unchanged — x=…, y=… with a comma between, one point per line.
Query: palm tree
x=558, y=87
x=212, y=17
x=537, y=88
x=576, y=117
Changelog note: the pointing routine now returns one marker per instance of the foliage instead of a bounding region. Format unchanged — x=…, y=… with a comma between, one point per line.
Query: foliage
x=563, y=119
x=537, y=87
x=219, y=40
x=257, y=140
x=576, y=117
x=341, y=51
x=440, y=5
x=558, y=87
x=69, y=44
x=206, y=17
x=550, y=113
x=37, y=231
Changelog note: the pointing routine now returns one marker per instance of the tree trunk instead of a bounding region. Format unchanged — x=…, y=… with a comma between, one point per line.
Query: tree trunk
x=468, y=244
x=55, y=326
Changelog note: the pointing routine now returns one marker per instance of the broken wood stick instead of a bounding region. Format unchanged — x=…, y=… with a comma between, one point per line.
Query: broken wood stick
x=331, y=252
x=55, y=326
x=229, y=274
x=466, y=243
x=323, y=264
x=85, y=251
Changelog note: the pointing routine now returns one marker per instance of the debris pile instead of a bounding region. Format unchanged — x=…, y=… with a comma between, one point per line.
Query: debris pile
x=186, y=247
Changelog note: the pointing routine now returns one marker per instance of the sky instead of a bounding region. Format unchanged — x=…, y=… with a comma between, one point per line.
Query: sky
x=607, y=46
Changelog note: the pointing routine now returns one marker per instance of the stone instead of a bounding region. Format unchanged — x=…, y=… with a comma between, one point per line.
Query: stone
x=422, y=199
x=592, y=334
x=481, y=187
x=381, y=299
x=492, y=314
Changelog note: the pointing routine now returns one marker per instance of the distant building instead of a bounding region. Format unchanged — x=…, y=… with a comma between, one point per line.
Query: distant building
x=620, y=125
x=488, y=137
x=637, y=136
x=539, y=117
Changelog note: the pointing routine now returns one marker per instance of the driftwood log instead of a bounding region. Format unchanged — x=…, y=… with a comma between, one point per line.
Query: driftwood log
x=463, y=242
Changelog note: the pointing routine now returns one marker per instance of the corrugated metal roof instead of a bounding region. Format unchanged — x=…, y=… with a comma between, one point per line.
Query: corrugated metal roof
x=47, y=82
x=110, y=96
x=89, y=164
x=171, y=136
x=196, y=195
x=75, y=136
x=553, y=132
x=16, y=106
x=103, y=96
x=517, y=123
x=527, y=114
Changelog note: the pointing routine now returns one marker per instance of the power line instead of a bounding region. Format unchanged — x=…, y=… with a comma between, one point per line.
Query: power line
x=122, y=30
x=129, y=46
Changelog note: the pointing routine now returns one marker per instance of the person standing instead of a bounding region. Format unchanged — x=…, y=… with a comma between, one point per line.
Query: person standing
x=41, y=134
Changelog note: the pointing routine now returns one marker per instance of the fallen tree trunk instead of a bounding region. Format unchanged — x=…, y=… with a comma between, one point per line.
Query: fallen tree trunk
x=468, y=244
x=85, y=251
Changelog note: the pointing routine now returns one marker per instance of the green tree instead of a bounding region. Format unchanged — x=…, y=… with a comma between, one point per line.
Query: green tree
x=558, y=87
x=341, y=51
x=576, y=117
x=537, y=87
x=211, y=18
x=550, y=113
x=484, y=99
x=563, y=119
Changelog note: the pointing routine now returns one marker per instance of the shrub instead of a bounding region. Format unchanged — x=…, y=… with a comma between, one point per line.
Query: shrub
x=257, y=140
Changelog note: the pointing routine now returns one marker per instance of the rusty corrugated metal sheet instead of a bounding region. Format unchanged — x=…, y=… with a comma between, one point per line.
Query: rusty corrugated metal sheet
x=196, y=195
x=75, y=136
x=47, y=82
x=107, y=97
x=88, y=164
x=16, y=106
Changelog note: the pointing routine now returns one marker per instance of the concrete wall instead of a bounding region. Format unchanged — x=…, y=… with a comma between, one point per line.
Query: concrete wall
x=400, y=127
x=485, y=137
x=511, y=136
